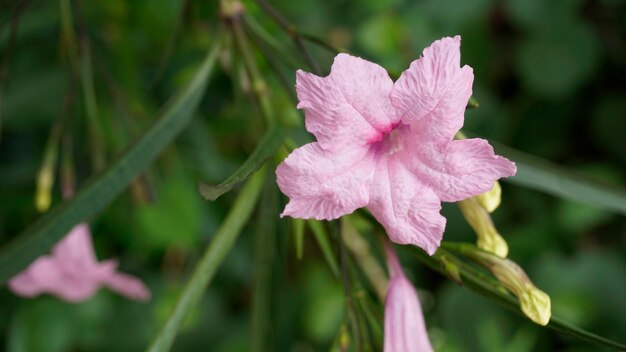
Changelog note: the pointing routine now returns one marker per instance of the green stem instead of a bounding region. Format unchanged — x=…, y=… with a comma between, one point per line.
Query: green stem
x=486, y=286
x=264, y=258
x=205, y=270
x=260, y=89
x=292, y=32
x=91, y=106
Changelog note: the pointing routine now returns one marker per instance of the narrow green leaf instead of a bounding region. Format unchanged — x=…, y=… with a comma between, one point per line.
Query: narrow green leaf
x=265, y=257
x=542, y=175
x=220, y=246
x=268, y=145
x=321, y=236
x=101, y=189
x=298, y=233
x=490, y=288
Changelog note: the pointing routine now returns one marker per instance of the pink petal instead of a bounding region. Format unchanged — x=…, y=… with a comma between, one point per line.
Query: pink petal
x=458, y=169
x=349, y=107
x=435, y=90
x=76, y=249
x=405, y=329
x=128, y=285
x=37, y=278
x=323, y=184
x=407, y=209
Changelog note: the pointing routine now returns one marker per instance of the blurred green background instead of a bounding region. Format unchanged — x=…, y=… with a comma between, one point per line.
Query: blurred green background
x=550, y=79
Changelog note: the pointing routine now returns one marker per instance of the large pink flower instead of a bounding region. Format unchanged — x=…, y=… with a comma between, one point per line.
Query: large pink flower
x=72, y=272
x=389, y=146
x=405, y=330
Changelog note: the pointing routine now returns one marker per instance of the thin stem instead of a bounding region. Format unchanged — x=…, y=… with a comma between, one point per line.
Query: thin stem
x=292, y=32
x=8, y=54
x=268, y=51
x=347, y=286
x=476, y=281
x=259, y=87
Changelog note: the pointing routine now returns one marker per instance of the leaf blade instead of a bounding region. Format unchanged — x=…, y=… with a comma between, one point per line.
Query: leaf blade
x=216, y=251
x=544, y=176
x=268, y=145
x=102, y=188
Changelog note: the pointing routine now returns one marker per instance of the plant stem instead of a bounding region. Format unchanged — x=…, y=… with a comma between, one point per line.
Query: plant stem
x=292, y=32
x=486, y=286
x=205, y=270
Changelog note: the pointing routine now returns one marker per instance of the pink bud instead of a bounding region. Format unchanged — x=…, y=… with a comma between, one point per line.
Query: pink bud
x=405, y=330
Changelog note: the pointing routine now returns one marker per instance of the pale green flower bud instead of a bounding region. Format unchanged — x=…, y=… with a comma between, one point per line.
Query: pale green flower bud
x=491, y=200
x=534, y=303
x=45, y=180
x=489, y=239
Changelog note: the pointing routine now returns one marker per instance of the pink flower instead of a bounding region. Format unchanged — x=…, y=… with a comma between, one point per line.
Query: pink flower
x=389, y=146
x=405, y=330
x=73, y=273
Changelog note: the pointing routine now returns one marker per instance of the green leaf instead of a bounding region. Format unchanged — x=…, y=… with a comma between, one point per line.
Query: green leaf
x=321, y=236
x=101, y=189
x=265, y=259
x=220, y=246
x=268, y=145
x=542, y=175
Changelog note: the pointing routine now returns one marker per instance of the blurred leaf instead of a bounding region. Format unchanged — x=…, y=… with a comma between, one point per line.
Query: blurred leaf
x=608, y=125
x=265, y=257
x=321, y=236
x=104, y=187
x=43, y=325
x=324, y=309
x=544, y=176
x=220, y=246
x=174, y=219
x=554, y=64
x=268, y=145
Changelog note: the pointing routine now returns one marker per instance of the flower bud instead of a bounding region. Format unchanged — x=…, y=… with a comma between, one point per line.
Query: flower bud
x=489, y=239
x=405, y=329
x=490, y=200
x=534, y=303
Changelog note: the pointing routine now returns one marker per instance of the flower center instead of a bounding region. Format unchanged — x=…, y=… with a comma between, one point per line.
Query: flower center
x=391, y=142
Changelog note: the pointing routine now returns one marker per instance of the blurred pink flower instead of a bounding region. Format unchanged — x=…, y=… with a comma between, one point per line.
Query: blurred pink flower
x=389, y=146
x=405, y=330
x=73, y=273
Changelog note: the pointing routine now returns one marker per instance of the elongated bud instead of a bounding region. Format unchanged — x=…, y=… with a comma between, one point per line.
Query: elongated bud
x=405, y=329
x=534, y=303
x=491, y=200
x=489, y=239
x=45, y=180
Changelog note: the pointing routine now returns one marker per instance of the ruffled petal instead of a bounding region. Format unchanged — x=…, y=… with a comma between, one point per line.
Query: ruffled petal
x=325, y=185
x=349, y=107
x=434, y=90
x=458, y=169
x=408, y=209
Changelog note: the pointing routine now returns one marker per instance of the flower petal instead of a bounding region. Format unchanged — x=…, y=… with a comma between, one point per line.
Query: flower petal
x=458, y=169
x=349, y=107
x=128, y=285
x=323, y=184
x=407, y=209
x=37, y=278
x=405, y=329
x=75, y=251
x=435, y=89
